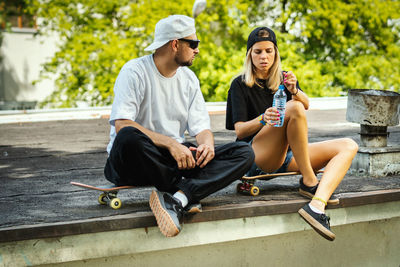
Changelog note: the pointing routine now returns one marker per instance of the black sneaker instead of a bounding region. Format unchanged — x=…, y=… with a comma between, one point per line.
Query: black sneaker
x=320, y=222
x=168, y=212
x=193, y=208
x=309, y=192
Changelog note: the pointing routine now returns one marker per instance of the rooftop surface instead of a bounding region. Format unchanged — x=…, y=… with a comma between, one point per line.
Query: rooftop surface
x=39, y=159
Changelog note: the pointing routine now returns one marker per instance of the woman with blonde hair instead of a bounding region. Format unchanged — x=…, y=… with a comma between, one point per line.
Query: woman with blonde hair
x=281, y=149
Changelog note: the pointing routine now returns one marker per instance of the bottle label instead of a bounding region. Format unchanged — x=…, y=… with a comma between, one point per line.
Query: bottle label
x=279, y=102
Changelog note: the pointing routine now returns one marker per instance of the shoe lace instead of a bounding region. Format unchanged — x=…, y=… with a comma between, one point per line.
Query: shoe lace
x=174, y=204
x=179, y=211
x=326, y=219
x=177, y=207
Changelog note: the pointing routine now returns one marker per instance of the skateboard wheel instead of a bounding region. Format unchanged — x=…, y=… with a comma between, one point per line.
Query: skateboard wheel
x=115, y=203
x=102, y=198
x=254, y=191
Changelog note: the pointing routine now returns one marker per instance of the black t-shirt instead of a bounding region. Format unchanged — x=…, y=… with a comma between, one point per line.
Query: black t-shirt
x=245, y=103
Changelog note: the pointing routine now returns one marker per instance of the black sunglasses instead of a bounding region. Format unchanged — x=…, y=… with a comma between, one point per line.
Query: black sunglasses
x=192, y=43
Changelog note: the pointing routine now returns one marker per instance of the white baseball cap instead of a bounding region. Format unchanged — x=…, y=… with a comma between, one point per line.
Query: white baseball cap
x=171, y=28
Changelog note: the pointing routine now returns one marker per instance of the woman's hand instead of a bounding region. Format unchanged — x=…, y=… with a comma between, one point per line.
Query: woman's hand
x=271, y=116
x=290, y=82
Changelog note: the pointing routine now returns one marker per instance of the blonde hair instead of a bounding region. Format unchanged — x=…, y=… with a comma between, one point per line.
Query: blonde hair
x=274, y=75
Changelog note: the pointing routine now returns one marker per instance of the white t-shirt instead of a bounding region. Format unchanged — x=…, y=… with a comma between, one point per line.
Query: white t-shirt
x=168, y=106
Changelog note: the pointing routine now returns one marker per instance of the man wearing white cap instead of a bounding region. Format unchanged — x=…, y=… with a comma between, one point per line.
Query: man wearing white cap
x=157, y=98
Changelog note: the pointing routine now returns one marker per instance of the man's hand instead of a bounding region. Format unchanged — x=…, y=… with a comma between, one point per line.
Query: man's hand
x=204, y=154
x=183, y=156
x=205, y=151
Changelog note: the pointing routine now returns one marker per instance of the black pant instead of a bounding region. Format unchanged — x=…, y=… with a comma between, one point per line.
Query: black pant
x=135, y=160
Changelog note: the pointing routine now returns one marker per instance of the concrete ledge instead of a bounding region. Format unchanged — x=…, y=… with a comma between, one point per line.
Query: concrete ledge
x=149, y=240
x=210, y=214
x=214, y=108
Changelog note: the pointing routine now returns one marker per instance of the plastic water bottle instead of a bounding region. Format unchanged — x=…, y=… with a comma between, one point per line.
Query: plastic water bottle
x=280, y=103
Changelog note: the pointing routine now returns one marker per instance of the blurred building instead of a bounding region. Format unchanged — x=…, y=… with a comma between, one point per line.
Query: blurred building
x=22, y=53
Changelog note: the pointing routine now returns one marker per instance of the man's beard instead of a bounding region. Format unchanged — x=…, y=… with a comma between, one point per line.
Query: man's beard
x=183, y=63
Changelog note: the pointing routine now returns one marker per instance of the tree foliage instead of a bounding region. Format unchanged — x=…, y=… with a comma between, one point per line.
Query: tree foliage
x=331, y=46
x=223, y=29
x=354, y=43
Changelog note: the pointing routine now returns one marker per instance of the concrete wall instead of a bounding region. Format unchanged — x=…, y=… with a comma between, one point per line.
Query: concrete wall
x=365, y=236
x=23, y=53
x=374, y=243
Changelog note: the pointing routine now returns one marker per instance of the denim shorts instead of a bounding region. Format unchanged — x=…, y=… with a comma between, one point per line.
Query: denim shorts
x=255, y=170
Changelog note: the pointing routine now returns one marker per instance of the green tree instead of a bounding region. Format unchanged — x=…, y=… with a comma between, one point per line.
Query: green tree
x=98, y=38
x=223, y=29
x=354, y=44
x=94, y=44
x=330, y=45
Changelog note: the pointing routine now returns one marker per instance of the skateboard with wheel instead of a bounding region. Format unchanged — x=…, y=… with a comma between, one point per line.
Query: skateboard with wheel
x=109, y=195
x=247, y=182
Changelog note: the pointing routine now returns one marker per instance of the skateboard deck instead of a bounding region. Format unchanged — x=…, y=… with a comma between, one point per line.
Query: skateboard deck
x=109, y=195
x=247, y=182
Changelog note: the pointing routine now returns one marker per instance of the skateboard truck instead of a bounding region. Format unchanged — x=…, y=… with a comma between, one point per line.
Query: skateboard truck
x=247, y=182
x=110, y=199
x=247, y=186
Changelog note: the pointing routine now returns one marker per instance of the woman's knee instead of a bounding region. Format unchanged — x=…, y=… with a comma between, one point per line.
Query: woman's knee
x=295, y=109
x=349, y=145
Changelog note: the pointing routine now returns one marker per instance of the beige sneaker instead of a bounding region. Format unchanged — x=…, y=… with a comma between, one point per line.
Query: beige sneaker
x=168, y=212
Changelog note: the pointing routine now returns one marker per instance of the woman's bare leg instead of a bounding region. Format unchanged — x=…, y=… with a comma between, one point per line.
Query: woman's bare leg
x=270, y=147
x=336, y=156
x=271, y=143
x=297, y=136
